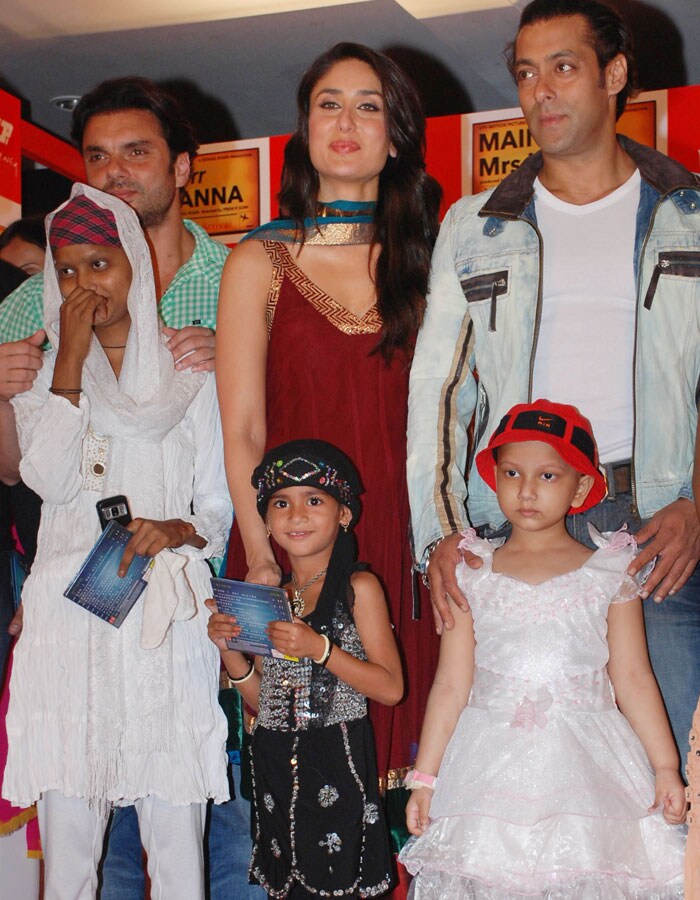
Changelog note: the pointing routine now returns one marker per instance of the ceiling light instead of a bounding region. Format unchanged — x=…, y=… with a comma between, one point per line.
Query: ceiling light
x=431, y=9
x=66, y=102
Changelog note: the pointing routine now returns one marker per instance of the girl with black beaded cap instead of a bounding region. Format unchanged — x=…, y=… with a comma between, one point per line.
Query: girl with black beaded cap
x=318, y=826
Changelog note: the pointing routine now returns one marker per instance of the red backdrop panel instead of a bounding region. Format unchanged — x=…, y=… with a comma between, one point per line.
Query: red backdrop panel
x=684, y=126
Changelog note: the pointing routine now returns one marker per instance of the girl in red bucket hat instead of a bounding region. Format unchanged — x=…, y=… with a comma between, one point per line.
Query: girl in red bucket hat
x=546, y=766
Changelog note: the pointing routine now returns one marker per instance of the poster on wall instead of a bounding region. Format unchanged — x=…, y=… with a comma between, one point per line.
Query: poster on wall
x=645, y=120
x=233, y=184
x=495, y=143
x=10, y=160
x=228, y=193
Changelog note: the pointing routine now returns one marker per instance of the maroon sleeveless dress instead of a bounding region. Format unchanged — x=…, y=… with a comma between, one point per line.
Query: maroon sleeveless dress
x=324, y=382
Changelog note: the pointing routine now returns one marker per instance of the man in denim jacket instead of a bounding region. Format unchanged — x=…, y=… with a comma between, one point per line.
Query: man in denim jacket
x=553, y=284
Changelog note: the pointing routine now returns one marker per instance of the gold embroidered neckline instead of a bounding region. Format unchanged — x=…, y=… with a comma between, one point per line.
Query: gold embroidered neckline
x=335, y=313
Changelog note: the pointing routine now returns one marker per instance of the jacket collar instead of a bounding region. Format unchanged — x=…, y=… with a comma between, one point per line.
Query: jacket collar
x=514, y=193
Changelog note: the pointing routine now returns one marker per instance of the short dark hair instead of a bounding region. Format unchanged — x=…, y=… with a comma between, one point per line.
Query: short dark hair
x=134, y=92
x=29, y=229
x=406, y=218
x=608, y=33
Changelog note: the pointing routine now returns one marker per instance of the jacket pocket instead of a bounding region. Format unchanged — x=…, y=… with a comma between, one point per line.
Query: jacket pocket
x=682, y=263
x=482, y=287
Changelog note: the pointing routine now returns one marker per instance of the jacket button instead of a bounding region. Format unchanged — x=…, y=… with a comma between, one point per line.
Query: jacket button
x=98, y=469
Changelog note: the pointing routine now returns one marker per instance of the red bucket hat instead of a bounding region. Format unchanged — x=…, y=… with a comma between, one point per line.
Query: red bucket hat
x=557, y=424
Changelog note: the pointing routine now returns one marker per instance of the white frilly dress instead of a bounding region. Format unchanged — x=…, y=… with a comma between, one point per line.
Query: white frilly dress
x=113, y=715
x=544, y=788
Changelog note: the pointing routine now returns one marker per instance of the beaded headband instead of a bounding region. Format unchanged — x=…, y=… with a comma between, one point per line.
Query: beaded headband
x=300, y=470
x=311, y=463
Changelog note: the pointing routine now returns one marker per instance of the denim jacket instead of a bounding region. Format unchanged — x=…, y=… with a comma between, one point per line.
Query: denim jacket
x=483, y=314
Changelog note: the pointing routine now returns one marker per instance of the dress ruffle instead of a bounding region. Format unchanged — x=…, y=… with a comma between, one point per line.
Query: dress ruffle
x=435, y=885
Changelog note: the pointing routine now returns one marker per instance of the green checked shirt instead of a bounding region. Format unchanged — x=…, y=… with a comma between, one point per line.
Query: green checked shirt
x=191, y=298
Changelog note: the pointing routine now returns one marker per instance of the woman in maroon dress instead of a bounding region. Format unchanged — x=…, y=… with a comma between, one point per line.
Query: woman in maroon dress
x=317, y=318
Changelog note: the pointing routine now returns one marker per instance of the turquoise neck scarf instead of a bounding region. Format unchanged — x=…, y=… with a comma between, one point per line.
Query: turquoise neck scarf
x=336, y=223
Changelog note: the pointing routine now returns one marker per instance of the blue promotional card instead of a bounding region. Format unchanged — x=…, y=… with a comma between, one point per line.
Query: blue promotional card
x=98, y=588
x=254, y=606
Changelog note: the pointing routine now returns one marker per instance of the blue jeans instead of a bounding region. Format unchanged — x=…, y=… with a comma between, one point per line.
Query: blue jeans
x=122, y=873
x=227, y=853
x=673, y=626
x=229, y=848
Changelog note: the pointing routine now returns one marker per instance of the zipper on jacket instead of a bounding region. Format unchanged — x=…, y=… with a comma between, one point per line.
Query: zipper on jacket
x=670, y=257
x=538, y=312
x=538, y=307
x=633, y=468
x=654, y=281
x=494, y=297
x=684, y=264
x=481, y=287
x=481, y=421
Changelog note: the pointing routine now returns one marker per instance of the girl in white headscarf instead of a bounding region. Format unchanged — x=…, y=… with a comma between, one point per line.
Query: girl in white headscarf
x=101, y=716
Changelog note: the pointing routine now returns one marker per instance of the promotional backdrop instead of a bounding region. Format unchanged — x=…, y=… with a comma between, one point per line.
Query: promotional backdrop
x=234, y=185
x=467, y=154
x=10, y=159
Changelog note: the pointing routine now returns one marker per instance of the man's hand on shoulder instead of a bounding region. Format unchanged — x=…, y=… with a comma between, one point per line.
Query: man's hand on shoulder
x=19, y=363
x=192, y=347
x=673, y=534
x=442, y=576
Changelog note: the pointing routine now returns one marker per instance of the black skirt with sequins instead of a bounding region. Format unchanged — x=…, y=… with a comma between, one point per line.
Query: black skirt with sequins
x=318, y=820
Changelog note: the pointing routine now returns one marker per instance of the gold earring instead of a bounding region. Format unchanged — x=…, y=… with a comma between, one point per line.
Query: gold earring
x=268, y=532
x=345, y=528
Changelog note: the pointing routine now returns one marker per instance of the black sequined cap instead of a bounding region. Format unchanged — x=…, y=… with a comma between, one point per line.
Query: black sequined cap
x=310, y=463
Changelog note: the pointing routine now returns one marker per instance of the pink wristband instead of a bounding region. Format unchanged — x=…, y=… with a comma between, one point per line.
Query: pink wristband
x=415, y=779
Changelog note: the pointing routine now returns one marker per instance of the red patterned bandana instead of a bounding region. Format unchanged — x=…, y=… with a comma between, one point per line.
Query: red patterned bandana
x=83, y=222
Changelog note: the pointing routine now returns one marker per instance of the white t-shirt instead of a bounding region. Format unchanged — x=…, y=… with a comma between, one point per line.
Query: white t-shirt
x=585, y=346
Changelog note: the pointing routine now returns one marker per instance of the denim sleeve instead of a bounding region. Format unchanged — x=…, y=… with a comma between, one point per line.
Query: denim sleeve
x=441, y=403
x=686, y=493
